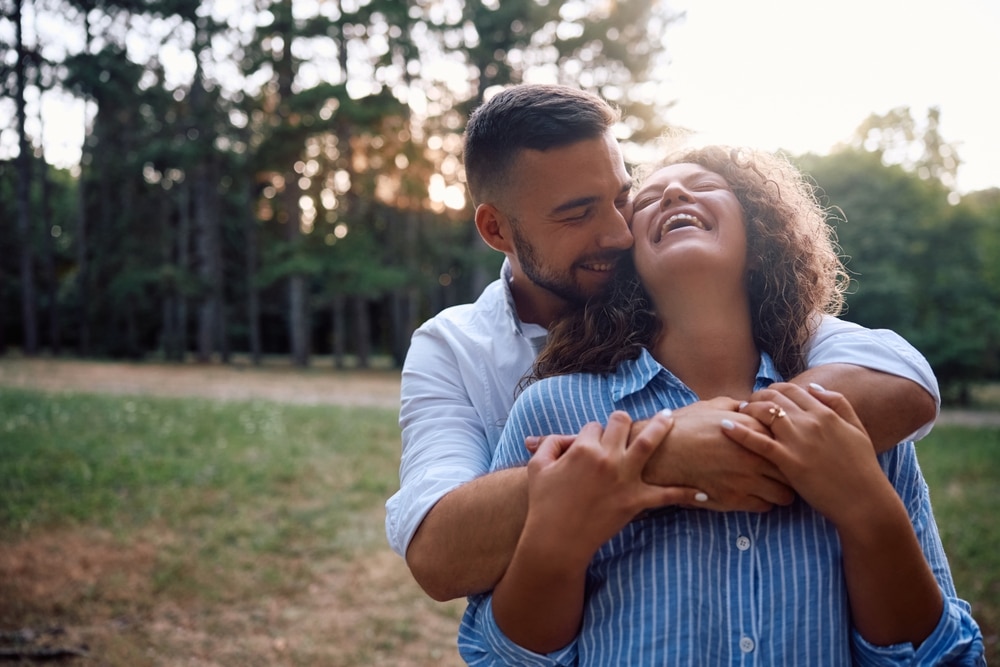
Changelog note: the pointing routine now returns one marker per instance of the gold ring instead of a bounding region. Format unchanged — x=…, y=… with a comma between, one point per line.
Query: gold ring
x=776, y=413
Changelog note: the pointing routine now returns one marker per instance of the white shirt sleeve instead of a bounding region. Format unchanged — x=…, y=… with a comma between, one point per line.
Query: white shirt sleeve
x=840, y=342
x=444, y=441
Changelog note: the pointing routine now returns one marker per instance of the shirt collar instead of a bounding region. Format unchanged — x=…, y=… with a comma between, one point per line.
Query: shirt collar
x=634, y=375
x=535, y=333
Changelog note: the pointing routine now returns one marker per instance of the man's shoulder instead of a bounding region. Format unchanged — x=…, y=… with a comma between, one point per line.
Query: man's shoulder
x=485, y=314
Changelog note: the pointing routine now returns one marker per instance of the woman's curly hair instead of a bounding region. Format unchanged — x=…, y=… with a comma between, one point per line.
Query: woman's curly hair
x=797, y=273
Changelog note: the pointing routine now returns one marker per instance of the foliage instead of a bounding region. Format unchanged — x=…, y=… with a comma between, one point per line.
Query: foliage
x=919, y=265
x=313, y=153
x=308, y=158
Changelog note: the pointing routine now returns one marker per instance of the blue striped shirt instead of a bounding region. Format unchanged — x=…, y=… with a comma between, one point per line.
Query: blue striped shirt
x=696, y=587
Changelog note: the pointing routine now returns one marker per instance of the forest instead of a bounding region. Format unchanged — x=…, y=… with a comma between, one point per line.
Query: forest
x=284, y=178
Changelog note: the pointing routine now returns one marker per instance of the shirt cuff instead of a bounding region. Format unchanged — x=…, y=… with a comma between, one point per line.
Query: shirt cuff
x=956, y=640
x=514, y=654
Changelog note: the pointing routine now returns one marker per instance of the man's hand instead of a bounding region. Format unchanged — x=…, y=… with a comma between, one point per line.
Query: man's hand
x=696, y=453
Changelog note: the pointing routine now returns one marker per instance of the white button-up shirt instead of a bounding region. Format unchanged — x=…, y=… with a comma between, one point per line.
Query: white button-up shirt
x=461, y=375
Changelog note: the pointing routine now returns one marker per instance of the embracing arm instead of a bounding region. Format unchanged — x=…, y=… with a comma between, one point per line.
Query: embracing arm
x=455, y=524
x=580, y=496
x=898, y=586
x=890, y=407
x=820, y=445
x=465, y=542
x=887, y=381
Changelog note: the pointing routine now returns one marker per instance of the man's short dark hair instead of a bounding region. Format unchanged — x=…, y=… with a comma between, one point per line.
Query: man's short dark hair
x=528, y=116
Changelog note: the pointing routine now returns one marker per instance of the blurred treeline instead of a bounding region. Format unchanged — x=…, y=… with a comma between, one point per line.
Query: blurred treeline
x=273, y=177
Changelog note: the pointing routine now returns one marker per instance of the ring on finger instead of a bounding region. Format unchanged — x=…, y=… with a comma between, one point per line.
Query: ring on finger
x=776, y=413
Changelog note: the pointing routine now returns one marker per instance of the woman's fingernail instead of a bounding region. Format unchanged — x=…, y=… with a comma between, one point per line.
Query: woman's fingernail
x=728, y=425
x=817, y=387
x=743, y=404
x=701, y=497
x=666, y=412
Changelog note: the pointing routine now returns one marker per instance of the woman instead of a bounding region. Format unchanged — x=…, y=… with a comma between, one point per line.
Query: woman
x=735, y=262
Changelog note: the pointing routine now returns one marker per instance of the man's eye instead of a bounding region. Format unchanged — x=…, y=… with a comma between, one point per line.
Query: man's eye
x=577, y=216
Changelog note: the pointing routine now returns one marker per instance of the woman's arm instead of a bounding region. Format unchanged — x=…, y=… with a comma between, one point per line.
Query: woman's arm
x=579, y=496
x=820, y=445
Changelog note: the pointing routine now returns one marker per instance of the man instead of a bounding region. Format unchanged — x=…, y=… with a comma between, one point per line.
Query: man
x=552, y=193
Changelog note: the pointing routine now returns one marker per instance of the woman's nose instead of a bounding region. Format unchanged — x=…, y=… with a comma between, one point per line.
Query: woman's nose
x=675, y=193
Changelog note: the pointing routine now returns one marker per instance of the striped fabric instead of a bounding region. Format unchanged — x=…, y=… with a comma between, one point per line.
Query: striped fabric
x=694, y=587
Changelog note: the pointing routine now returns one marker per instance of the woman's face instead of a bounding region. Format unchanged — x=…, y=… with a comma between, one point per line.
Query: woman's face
x=687, y=224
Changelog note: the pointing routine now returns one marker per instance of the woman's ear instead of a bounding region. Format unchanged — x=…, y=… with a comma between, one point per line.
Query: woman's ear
x=494, y=227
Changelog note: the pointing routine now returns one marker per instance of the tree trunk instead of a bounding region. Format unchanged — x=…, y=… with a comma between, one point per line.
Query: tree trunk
x=251, y=251
x=184, y=267
x=207, y=244
x=338, y=329
x=26, y=251
x=170, y=287
x=298, y=314
x=362, y=330
x=48, y=264
x=82, y=261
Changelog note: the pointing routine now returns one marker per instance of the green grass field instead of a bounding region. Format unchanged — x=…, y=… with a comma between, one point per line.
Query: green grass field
x=171, y=530
x=257, y=526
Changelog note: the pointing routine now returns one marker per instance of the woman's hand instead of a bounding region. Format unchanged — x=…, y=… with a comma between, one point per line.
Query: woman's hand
x=585, y=490
x=819, y=444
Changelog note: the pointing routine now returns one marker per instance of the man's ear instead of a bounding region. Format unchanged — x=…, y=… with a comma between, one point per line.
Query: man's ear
x=494, y=227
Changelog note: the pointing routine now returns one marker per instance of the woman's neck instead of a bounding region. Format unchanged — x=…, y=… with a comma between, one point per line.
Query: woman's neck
x=711, y=349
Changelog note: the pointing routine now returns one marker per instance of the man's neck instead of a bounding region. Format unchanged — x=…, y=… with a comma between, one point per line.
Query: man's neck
x=535, y=305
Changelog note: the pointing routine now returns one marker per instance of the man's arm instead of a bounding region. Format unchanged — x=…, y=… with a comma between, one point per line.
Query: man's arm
x=891, y=408
x=887, y=381
x=455, y=524
x=466, y=541
x=890, y=384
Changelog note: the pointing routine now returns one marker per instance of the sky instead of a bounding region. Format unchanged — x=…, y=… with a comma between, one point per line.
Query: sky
x=803, y=74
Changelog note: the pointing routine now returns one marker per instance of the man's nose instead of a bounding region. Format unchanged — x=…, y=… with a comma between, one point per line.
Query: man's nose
x=616, y=233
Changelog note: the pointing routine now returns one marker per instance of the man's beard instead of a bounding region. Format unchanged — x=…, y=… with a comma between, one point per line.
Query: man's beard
x=563, y=286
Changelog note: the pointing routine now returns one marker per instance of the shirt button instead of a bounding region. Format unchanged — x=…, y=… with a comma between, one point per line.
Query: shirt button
x=746, y=644
x=742, y=542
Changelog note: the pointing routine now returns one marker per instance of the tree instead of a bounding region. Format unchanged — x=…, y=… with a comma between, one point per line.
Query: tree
x=897, y=138
x=308, y=161
x=26, y=245
x=913, y=269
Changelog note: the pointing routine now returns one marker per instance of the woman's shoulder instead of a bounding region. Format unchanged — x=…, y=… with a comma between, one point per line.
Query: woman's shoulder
x=578, y=387
x=563, y=401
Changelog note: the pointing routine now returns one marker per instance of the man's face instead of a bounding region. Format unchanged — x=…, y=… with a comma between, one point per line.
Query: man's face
x=569, y=219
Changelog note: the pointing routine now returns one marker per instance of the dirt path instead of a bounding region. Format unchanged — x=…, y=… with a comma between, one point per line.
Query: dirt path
x=275, y=381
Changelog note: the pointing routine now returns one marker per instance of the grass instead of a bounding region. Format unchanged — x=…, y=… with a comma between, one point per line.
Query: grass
x=122, y=463
x=962, y=468
x=227, y=515
x=251, y=533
